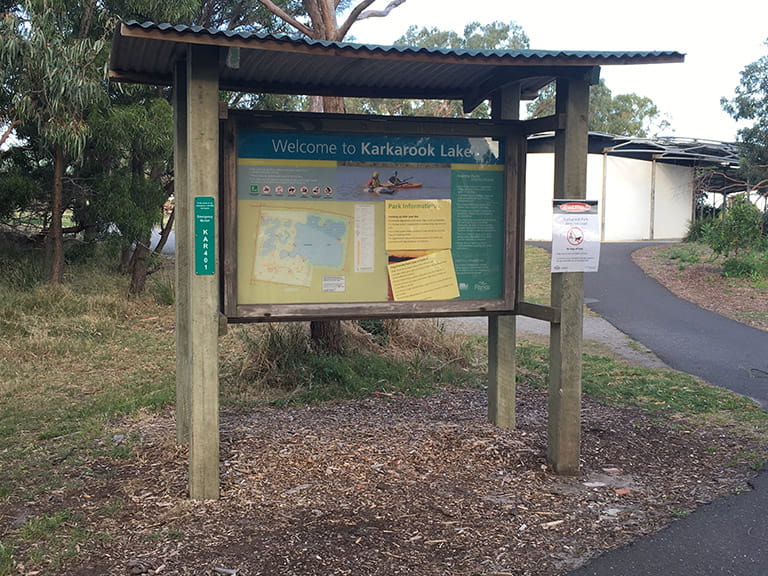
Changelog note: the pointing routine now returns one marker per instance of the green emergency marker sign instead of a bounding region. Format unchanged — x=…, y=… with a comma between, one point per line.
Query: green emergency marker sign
x=205, y=233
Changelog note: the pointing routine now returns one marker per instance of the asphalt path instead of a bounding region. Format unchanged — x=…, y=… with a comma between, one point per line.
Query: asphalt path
x=727, y=537
x=686, y=337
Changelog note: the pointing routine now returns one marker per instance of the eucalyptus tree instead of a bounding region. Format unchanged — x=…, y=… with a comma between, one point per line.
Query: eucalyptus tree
x=324, y=24
x=621, y=115
x=55, y=78
x=750, y=104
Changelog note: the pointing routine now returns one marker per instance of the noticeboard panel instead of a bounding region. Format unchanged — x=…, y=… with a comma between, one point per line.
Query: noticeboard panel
x=340, y=218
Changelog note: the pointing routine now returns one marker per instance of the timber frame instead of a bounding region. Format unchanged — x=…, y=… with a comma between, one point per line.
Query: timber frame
x=198, y=63
x=512, y=133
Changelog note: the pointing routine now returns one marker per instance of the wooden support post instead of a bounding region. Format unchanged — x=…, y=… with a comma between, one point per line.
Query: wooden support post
x=566, y=337
x=502, y=330
x=183, y=250
x=202, y=293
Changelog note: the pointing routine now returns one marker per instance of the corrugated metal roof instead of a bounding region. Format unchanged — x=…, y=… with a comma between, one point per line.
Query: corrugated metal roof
x=146, y=53
x=673, y=149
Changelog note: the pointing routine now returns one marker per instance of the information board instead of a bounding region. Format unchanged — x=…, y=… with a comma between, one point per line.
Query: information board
x=335, y=217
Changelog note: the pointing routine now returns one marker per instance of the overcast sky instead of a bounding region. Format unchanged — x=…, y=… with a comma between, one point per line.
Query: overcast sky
x=718, y=39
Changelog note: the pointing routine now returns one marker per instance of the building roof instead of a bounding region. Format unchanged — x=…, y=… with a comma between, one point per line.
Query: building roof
x=146, y=53
x=669, y=149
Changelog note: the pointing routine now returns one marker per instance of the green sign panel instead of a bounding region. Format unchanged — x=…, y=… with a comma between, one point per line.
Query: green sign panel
x=205, y=234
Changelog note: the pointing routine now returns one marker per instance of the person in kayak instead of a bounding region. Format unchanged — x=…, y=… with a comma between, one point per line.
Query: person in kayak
x=374, y=182
x=394, y=180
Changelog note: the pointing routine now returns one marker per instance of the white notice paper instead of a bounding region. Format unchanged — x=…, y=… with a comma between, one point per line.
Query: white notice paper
x=575, y=236
x=365, y=237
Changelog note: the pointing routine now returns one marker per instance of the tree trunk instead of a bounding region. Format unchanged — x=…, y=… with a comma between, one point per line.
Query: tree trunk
x=54, y=242
x=327, y=336
x=139, y=268
x=165, y=232
x=126, y=254
x=334, y=105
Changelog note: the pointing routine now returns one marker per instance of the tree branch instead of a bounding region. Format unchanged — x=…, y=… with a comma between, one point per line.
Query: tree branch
x=381, y=13
x=287, y=18
x=354, y=16
x=315, y=17
x=330, y=27
x=7, y=133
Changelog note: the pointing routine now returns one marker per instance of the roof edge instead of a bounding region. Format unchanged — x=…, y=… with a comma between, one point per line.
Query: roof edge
x=199, y=34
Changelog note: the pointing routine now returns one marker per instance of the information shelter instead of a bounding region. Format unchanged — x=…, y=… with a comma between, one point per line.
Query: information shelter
x=294, y=216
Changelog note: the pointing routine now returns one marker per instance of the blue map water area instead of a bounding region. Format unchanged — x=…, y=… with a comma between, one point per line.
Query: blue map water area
x=320, y=241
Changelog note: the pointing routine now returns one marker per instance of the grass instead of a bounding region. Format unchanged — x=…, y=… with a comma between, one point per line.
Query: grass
x=75, y=360
x=688, y=253
x=665, y=392
x=537, y=275
x=276, y=364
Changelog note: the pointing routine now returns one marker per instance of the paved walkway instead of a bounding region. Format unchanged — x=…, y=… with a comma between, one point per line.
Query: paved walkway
x=686, y=337
x=729, y=536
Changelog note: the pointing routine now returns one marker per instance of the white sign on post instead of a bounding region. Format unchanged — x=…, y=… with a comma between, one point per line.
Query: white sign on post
x=575, y=236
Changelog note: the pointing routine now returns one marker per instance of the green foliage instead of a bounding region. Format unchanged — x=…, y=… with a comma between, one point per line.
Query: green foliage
x=163, y=287
x=17, y=189
x=6, y=559
x=750, y=103
x=737, y=229
x=493, y=36
x=279, y=363
x=684, y=254
x=54, y=56
x=129, y=201
x=622, y=115
x=753, y=265
x=650, y=389
x=177, y=11
x=697, y=229
x=55, y=77
x=377, y=328
x=43, y=527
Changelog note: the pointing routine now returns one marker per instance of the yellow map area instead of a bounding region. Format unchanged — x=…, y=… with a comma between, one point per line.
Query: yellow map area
x=291, y=243
x=310, y=251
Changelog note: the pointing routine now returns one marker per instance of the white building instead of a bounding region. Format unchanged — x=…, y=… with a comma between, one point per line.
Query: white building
x=646, y=188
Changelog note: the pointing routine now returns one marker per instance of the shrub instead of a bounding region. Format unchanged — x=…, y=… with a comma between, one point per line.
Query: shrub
x=752, y=265
x=737, y=230
x=697, y=229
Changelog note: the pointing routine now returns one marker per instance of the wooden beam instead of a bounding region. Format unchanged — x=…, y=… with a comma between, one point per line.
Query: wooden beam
x=203, y=296
x=544, y=124
x=539, y=312
x=365, y=124
x=571, y=146
x=183, y=248
x=228, y=209
x=358, y=310
x=502, y=329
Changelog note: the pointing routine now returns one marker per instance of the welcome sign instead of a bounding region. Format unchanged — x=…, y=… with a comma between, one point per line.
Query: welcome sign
x=347, y=217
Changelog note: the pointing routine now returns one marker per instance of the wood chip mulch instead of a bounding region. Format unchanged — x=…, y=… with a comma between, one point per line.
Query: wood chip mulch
x=398, y=485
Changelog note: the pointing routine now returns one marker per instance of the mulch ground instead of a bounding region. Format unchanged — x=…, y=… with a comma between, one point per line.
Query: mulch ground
x=399, y=485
